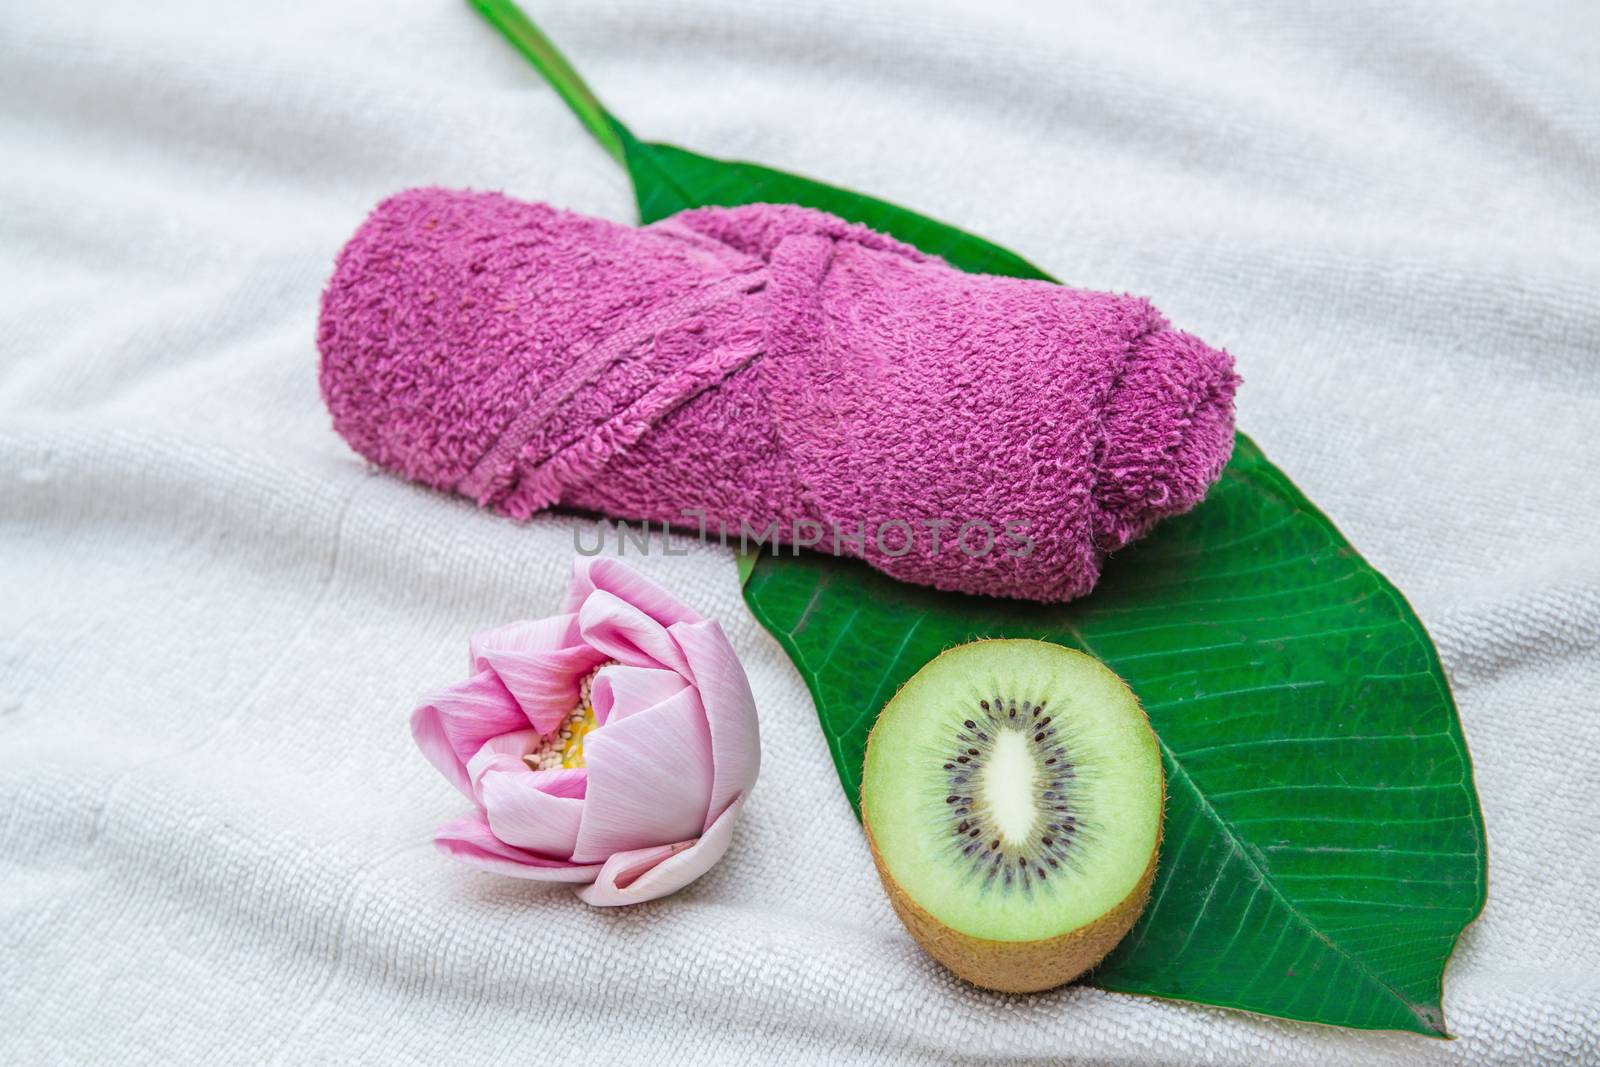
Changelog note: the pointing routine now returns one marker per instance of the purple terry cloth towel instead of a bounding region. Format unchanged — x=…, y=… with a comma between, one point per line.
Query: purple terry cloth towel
x=771, y=366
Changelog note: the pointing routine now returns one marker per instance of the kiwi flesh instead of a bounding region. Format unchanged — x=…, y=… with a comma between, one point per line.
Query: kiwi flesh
x=1012, y=797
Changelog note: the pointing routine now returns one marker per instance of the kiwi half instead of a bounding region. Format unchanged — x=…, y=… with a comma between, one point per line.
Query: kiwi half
x=1012, y=798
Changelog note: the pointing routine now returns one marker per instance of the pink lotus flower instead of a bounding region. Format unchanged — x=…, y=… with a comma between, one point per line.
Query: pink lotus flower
x=611, y=746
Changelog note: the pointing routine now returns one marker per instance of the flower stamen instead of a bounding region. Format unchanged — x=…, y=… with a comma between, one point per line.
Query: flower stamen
x=562, y=749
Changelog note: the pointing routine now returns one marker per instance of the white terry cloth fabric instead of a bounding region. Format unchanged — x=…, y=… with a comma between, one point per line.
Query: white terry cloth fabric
x=214, y=621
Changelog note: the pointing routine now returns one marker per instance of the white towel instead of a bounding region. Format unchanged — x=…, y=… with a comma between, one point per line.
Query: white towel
x=214, y=621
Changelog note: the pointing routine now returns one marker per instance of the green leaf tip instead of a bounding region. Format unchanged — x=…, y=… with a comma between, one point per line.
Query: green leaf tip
x=527, y=38
x=745, y=560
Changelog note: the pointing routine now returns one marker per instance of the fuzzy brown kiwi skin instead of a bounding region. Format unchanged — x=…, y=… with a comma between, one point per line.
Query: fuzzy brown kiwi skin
x=1018, y=966
x=1021, y=966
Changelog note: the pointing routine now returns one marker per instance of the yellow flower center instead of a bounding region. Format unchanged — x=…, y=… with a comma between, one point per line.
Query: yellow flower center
x=577, y=725
x=562, y=748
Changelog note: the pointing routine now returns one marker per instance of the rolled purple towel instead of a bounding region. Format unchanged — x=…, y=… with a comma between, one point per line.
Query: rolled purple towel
x=769, y=366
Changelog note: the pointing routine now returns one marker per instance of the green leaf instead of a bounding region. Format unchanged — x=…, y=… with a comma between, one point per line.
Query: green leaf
x=1324, y=847
x=667, y=179
x=537, y=49
x=744, y=560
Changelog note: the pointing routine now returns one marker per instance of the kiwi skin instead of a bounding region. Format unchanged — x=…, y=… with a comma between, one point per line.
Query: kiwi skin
x=1017, y=966
x=1022, y=966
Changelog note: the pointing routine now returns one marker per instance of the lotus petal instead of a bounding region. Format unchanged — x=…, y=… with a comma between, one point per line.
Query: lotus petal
x=649, y=779
x=647, y=873
x=598, y=573
x=541, y=664
x=730, y=711
x=619, y=691
x=503, y=753
x=627, y=634
x=522, y=814
x=470, y=840
x=533, y=635
x=454, y=724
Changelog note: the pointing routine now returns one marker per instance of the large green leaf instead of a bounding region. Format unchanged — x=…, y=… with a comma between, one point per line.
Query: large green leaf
x=1324, y=847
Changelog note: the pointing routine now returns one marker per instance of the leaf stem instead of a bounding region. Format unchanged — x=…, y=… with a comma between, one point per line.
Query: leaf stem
x=528, y=39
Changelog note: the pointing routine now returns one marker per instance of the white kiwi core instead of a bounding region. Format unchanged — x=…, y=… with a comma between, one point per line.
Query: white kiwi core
x=1007, y=785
